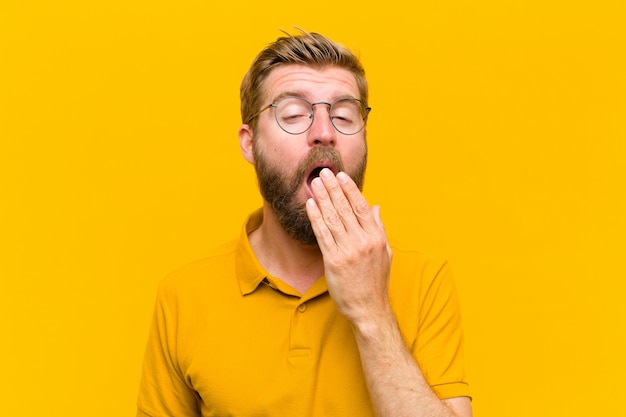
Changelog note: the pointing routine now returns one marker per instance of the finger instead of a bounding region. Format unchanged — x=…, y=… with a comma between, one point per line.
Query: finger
x=359, y=205
x=325, y=239
x=339, y=200
x=326, y=205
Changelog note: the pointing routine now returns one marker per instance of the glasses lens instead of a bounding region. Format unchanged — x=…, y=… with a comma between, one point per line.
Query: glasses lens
x=294, y=115
x=348, y=116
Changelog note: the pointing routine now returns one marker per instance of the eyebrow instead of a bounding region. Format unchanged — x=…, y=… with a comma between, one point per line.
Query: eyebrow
x=301, y=94
x=289, y=93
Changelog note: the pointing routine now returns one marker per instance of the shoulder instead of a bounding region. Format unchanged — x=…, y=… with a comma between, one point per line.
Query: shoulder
x=201, y=274
x=418, y=278
x=423, y=296
x=411, y=263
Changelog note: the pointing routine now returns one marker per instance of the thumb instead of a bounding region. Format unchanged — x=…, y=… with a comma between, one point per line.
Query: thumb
x=377, y=218
x=379, y=221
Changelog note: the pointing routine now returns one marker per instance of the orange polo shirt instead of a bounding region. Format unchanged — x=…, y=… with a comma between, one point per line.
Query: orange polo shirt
x=228, y=339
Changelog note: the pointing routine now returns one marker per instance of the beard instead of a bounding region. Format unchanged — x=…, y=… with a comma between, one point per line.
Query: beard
x=280, y=190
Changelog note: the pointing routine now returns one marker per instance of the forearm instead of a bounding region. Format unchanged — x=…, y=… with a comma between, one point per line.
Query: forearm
x=396, y=384
x=357, y=264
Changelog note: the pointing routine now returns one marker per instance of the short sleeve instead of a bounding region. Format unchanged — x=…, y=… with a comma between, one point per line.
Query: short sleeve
x=438, y=347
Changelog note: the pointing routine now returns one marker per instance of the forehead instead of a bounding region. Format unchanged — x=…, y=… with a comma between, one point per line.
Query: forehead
x=315, y=84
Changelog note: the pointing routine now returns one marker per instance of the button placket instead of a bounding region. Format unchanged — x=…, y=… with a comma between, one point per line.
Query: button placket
x=299, y=334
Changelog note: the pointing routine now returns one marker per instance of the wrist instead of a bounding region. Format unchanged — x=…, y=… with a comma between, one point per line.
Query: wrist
x=374, y=325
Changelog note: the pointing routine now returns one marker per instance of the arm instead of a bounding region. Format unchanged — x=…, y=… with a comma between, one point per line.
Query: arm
x=396, y=384
x=357, y=260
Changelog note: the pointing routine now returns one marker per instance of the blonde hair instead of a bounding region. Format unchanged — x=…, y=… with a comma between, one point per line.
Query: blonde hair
x=310, y=49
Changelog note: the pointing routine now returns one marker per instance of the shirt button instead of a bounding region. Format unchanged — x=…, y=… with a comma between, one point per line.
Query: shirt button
x=302, y=308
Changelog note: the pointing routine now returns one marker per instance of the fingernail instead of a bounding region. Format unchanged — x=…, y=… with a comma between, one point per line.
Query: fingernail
x=326, y=173
x=317, y=183
x=342, y=176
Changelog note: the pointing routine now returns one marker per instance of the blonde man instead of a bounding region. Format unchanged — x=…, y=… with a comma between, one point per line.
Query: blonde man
x=305, y=313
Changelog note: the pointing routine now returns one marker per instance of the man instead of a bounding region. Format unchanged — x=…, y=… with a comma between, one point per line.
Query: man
x=305, y=314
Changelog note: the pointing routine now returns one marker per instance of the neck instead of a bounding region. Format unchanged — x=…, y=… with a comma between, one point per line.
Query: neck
x=295, y=263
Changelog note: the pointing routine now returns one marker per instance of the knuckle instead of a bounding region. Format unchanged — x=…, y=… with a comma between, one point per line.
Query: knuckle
x=345, y=210
x=332, y=220
x=324, y=234
x=361, y=207
x=380, y=242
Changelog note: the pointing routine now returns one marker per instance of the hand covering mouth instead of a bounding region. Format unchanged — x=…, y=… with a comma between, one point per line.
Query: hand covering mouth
x=316, y=160
x=314, y=172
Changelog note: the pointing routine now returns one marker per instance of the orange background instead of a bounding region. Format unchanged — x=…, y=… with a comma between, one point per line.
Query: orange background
x=497, y=140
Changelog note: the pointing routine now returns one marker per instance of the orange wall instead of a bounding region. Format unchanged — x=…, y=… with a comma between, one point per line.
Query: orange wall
x=497, y=139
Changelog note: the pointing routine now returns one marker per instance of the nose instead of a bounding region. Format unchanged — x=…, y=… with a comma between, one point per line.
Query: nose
x=322, y=132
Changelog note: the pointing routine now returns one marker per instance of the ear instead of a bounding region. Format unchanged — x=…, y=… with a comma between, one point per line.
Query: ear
x=245, y=142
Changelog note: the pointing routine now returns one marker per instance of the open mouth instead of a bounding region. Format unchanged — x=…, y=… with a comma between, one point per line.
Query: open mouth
x=314, y=173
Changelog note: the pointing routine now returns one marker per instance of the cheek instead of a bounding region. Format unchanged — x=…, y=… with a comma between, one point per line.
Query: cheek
x=353, y=155
x=283, y=156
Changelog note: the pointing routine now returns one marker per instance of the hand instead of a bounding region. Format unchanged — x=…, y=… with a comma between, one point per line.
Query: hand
x=353, y=242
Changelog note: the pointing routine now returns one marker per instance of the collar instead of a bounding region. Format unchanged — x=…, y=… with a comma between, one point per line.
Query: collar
x=250, y=273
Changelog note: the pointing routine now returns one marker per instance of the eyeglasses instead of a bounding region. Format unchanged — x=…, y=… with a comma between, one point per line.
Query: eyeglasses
x=295, y=115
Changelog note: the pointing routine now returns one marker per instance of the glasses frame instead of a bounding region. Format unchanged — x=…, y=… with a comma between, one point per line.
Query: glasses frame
x=330, y=112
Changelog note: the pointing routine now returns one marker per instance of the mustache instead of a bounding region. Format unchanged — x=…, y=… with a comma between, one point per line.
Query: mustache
x=315, y=157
